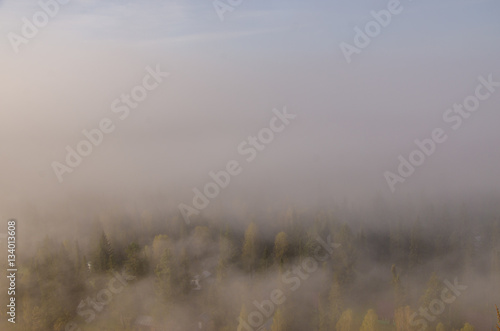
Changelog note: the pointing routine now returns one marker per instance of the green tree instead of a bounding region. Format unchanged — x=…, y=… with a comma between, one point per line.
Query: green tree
x=104, y=255
x=415, y=243
x=347, y=256
x=136, y=264
x=370, y=321
x=280, y=247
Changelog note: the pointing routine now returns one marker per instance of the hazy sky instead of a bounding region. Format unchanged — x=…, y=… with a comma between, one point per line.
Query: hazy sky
x=353, y=120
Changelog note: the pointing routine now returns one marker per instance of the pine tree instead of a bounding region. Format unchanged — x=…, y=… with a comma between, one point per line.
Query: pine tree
x=135, y=264
x=370, y=321
x=250, y=254
x=414, y=255
x=105, y=254
x=399, y=296
x=468, y=259
x=280, y=248
x=79, y=264
x=347, y=255
x=396, y=243
x=346, y=321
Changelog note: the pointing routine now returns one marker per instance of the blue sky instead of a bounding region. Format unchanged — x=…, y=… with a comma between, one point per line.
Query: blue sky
x=297, y=25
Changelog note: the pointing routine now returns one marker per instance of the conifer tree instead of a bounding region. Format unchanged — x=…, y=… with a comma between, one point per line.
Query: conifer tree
x=399, y=296
x=135, y=264
x=105, y=254
x=280, y=247
x=414, y=258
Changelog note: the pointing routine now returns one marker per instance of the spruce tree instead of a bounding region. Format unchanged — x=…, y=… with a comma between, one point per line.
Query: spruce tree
x=250, y=253
x=280, y=248
x=105, y=254
x=399, y=295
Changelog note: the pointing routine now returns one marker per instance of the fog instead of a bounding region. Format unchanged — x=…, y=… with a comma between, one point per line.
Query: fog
x=348, y=125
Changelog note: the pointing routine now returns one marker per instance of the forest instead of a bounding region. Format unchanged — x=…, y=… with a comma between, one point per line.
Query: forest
x=284, y=269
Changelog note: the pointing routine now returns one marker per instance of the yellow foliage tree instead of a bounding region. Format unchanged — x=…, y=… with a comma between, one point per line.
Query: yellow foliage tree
x=370, y=321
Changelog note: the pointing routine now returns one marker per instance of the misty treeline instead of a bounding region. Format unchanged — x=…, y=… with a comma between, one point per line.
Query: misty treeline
x=312, y=269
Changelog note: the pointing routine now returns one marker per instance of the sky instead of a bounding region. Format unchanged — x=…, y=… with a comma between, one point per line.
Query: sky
x=225, y=78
